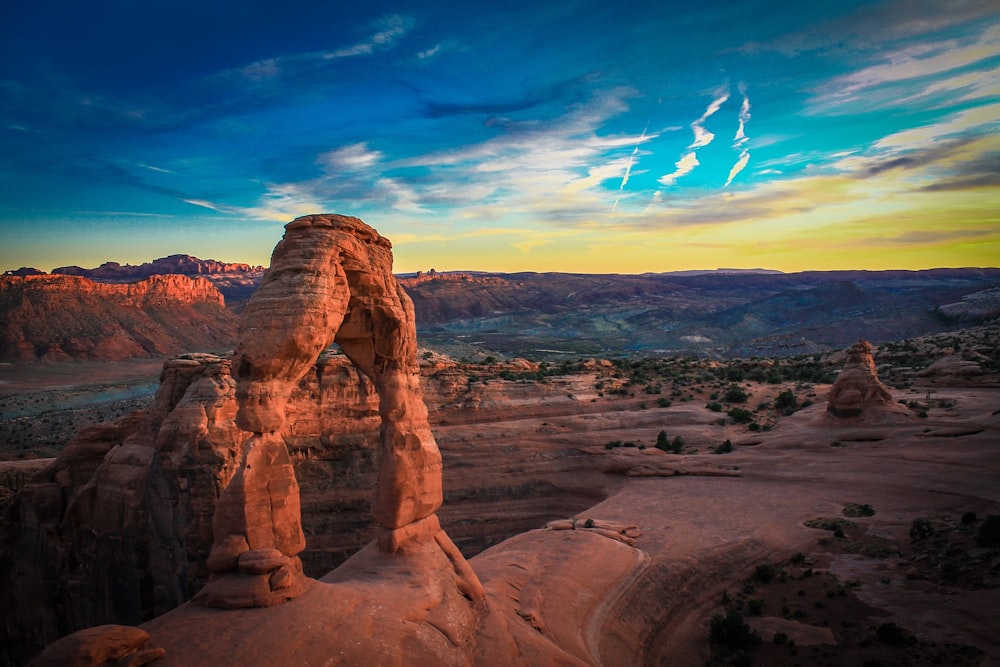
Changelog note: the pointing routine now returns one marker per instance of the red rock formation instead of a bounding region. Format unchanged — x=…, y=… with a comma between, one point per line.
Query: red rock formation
x=857, y=389
x=60, y=317
x=330, y=281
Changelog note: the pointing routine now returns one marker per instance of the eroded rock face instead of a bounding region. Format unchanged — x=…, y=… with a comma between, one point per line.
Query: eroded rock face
x=55, y=318
x=857, y=388
x=330, y=281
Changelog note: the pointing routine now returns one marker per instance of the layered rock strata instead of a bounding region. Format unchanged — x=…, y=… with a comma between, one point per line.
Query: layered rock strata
x=857, y=389
x=56, y=318
x=330, y=281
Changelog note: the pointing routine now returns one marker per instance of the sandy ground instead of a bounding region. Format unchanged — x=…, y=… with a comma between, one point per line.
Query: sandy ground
x=706, y=535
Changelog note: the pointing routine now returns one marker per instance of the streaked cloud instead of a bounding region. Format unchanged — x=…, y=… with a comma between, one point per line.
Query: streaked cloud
x=389, y=29
x=703, y=137
x=683, y=167
x=740, y=165
x=741, y=138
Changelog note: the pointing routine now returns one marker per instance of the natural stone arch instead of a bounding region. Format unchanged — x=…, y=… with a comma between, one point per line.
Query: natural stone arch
x=330, y=281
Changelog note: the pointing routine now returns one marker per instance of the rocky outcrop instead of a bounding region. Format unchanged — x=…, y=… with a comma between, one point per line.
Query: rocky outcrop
x=330, y=281
x=53, y=318
x=857, y=389
x=174, y=264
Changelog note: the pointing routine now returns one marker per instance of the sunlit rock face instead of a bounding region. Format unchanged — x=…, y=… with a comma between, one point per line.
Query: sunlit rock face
x=57, y=318
x=330, y=281
x=857, y=388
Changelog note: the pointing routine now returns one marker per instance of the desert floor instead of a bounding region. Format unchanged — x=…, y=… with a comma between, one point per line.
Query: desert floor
x=709, y=522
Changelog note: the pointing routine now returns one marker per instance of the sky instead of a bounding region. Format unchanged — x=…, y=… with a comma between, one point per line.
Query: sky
x=578, y=136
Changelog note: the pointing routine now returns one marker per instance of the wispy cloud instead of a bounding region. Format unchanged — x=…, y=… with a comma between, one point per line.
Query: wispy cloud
x=556, y=171
x=388, y=29
x=916, y=71
x=428, y=53
x=702, y=137
x=741, y=138
x=682, y=167
x=740, y=165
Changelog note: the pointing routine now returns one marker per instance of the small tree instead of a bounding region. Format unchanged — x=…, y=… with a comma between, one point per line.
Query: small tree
x=663, y=441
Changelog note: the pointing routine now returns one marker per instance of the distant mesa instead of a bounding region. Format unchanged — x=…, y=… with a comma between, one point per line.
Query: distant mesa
x=185, y=265
x=24, y=271
x=60, y=317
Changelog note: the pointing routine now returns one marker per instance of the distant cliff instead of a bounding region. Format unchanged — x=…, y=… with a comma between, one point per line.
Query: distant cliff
x=58, y=317
x=174, y=264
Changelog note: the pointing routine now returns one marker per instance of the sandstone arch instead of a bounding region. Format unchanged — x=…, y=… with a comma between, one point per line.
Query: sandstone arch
x=330, y=281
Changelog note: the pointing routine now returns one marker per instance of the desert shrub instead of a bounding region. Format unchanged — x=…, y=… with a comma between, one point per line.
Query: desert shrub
x=735, y=394
x=755, y=607
x=725, y=448
x=663, y=402
x=786, y=401
x=774, y=376
x=714, y=406
x=732, y=631
x=589, y=523
x=829, y=523
x=677, y=445
x=735, y=374
x=920, y=529
x=855, y=510
x=663, y=441
x=764, y=573
x=988, y=534
x=740, y=415
x=969, y=518
x=754, y=426
x=950, y=570
x=890, y=633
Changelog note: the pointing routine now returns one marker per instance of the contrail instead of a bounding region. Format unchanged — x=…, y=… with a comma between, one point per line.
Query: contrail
x=628, y=169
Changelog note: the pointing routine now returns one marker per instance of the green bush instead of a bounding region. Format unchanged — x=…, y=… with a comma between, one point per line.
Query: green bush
x=732, y=631
x=786, y=401
x=735, y=394
x=890, y=633
x=740, y=415
x=725, y=448
x=856, y=510
x=714, y=406
x=765, y=573
x=663, y=441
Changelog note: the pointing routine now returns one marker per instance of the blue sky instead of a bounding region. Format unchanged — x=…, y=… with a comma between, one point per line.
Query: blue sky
x=567, y=136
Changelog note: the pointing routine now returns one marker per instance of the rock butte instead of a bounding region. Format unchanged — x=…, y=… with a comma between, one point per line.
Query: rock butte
x=858, y=392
